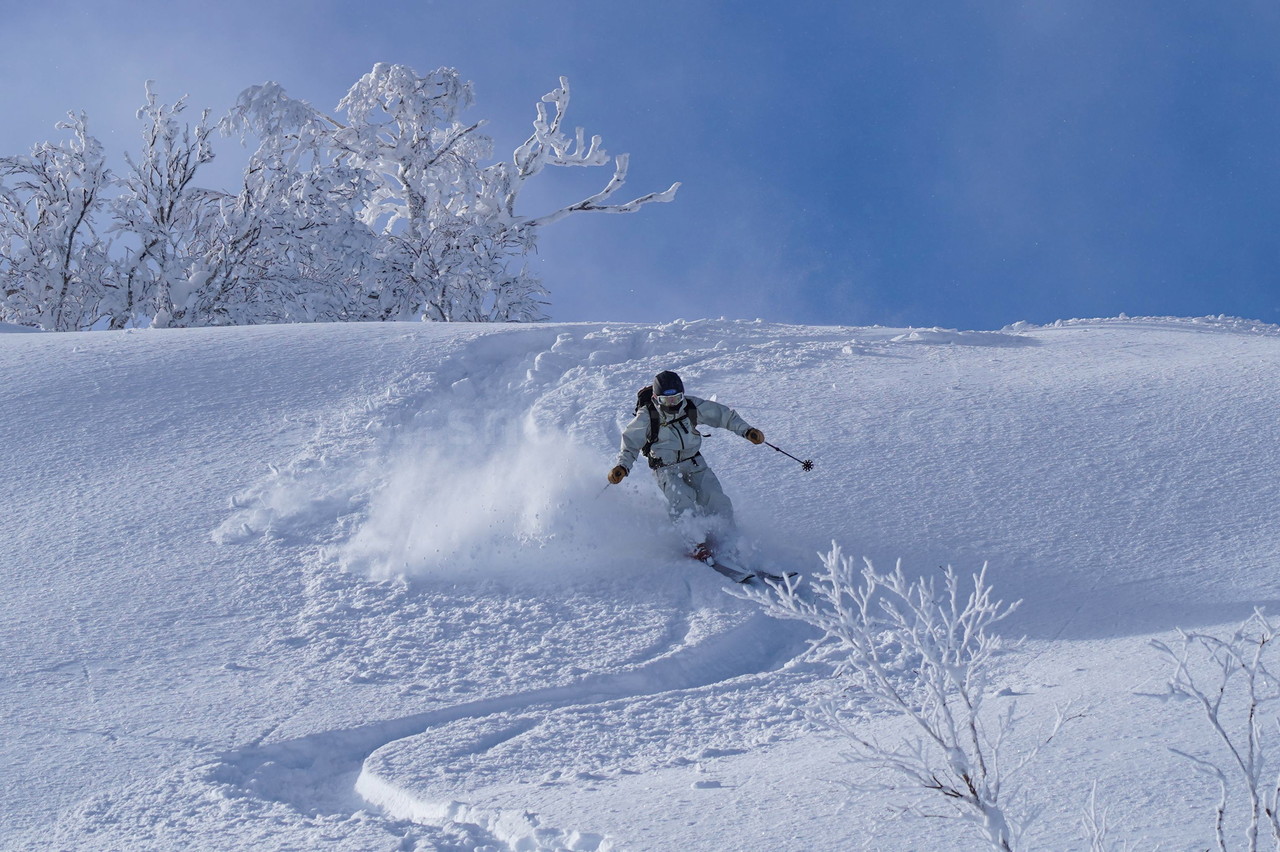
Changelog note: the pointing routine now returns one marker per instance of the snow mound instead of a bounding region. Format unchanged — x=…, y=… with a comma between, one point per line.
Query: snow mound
x=962, y=338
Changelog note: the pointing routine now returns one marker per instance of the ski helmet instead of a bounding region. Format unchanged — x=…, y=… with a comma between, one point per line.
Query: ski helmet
x=668, y=390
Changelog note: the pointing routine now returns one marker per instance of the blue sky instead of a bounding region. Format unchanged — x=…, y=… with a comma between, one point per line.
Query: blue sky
x=963, y=164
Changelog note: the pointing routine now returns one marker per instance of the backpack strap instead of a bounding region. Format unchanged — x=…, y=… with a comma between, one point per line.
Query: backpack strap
x=690, y=413
x=652, y=435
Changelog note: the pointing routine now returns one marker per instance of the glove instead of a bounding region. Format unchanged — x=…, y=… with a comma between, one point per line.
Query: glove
x=617, y=474
x=755, y=436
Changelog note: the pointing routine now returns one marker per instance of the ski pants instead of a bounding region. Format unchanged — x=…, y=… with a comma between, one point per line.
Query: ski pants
x=691, y=487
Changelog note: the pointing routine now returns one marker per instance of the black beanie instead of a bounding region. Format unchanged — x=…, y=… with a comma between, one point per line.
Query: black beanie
x=667, y=381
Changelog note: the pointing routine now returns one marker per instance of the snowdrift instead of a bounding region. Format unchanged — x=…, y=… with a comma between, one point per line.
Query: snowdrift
x=362, y=586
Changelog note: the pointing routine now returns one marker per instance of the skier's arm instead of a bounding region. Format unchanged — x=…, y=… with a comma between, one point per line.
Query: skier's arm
x=722, y=416
x=633, y=438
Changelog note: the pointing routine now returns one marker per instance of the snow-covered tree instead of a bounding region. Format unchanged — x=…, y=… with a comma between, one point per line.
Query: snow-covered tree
x=164, y=214
x=314, y=251
x=281, y=249
x=286, y=249
x=925, y=654
x=55, y=267
x=392, y=211
x=450, y=242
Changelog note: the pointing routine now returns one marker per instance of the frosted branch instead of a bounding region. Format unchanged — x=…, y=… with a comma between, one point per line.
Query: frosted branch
x=924, y=651
x=1231, y=682
x=550, y=146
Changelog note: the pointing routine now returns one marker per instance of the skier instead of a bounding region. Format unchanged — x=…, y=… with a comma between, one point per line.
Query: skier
x=665, y=430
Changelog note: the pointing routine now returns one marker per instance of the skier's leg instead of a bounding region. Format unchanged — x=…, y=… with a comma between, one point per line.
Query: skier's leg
x=714, y=508
x=710, y=495
x=681, y=497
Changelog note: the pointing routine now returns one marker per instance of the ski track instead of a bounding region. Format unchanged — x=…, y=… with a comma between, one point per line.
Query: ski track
x=337, y=772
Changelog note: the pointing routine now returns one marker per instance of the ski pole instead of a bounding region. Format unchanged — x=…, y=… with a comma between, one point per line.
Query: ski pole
x=806, y=464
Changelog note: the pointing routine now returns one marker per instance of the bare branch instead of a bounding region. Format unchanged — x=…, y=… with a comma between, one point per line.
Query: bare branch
x=1231, y=682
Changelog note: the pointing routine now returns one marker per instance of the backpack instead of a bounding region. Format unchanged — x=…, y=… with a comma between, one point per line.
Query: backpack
x=644, y=399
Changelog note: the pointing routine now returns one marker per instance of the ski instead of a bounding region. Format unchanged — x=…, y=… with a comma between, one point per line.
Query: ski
x=758, y=573
x=740, y=577
x=735, y=574
x=739, y=574
x=776, y=578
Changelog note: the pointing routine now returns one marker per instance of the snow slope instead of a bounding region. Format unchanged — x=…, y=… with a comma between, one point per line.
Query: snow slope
x=362, y=587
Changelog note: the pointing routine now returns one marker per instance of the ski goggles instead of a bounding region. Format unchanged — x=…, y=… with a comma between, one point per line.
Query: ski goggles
x=669, y=399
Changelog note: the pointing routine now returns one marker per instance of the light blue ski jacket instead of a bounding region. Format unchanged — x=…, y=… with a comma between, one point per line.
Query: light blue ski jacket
x=677, y=439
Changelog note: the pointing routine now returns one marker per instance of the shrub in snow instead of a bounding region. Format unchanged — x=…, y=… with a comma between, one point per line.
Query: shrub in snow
x=926, y=654
x=1231, y=681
